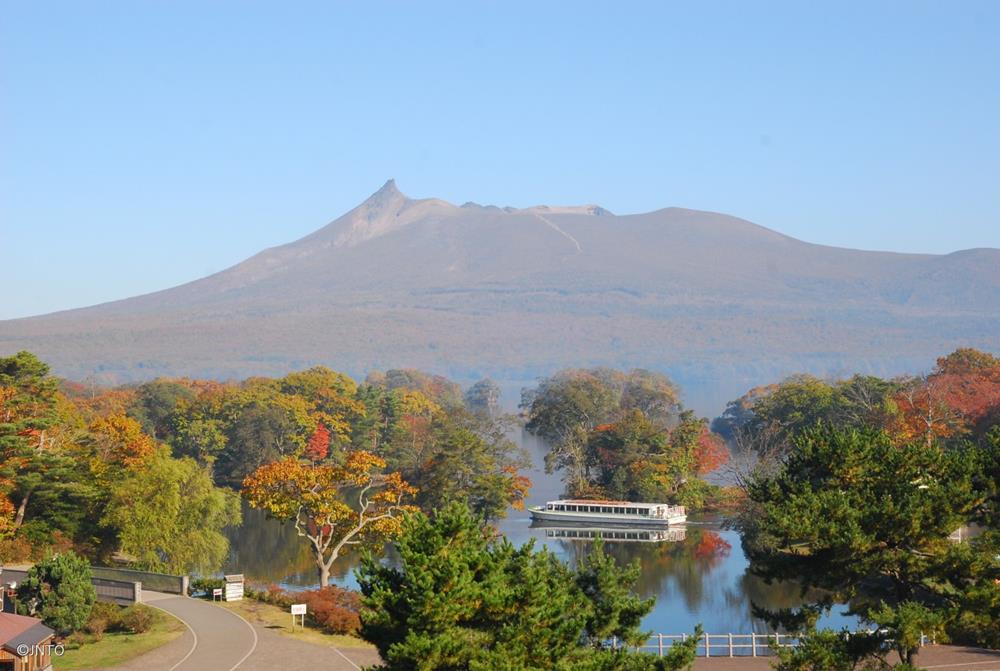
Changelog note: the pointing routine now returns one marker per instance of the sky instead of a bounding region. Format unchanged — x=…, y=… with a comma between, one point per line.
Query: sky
x=146, y=144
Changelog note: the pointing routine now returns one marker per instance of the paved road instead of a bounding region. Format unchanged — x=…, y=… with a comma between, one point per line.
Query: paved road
x=220, y=640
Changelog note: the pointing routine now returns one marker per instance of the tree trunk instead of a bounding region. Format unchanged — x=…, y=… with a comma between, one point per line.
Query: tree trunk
x=324, y=574
x=19, y=518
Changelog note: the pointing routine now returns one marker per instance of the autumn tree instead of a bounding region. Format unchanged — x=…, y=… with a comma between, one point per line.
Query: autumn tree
x=574, y=410
x=623, y=435
x=155, y=403
x=315, y=498
x=265, y=428
x=439, y=389
x=447, y=453
x=465, y=467
x=569, y=400
x=318, y=446
x=118, y=441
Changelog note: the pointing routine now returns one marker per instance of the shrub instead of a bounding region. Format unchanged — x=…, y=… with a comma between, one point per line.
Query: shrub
x=333, y=609
x=105, y=617
x=137, y=618
x=74, y=640
x=96, y=627
x=273, y=595
x=278, y=596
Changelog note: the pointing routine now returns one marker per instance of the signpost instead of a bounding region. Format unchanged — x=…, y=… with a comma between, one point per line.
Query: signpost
x=299, y=609
x=216, y=593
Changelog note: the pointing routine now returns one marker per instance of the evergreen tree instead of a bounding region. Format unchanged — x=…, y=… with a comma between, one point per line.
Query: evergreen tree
x=59, y=591
x=867, y=522
x=464, y=599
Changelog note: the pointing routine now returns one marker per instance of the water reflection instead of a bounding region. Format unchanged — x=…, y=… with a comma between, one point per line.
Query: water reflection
x=609, y=534
x=698, y=576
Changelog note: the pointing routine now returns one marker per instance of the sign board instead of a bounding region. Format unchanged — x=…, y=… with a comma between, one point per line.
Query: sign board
x=234, y=587
x=217, y=592
x=298, y=609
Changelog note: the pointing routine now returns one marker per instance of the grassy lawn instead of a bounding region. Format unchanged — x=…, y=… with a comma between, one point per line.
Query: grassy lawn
x=280, y=620
x=117, y=648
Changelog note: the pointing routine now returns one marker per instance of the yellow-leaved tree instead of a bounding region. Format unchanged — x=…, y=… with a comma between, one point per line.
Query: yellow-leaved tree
x=315, y=498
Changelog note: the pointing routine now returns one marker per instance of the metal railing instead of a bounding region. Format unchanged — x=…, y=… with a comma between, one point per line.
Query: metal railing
x=732, y=645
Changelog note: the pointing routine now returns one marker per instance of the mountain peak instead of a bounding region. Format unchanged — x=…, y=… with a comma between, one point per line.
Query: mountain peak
x=388, y=193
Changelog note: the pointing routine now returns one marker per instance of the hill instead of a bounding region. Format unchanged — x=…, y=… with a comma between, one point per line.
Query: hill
x=718, y=302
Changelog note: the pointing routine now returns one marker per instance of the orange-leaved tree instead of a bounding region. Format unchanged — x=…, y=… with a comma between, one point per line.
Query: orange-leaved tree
x=315, y=497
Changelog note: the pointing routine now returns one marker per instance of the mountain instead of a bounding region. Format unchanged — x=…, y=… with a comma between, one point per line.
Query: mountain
x=718, y=302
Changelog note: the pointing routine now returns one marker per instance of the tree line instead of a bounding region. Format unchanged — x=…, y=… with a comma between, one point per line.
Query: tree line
x=151, y=473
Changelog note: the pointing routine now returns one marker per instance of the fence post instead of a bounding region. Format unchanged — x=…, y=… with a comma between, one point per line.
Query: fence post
x=137, y=592
x=730, y=644
x=753, y=643
x=659, y=643
x=708, y=652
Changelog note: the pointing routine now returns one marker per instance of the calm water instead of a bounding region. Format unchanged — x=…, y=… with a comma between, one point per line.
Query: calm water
x=702, y=578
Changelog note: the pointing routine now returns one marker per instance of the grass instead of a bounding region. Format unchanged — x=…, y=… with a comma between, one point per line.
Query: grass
x=280, y=620
x=117, y=648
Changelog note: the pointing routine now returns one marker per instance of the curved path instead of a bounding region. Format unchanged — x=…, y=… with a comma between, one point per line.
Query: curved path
x=220, y=640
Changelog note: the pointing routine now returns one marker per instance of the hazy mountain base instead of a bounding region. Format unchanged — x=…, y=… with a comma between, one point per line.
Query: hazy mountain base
x=466, y=347
x=718, y=303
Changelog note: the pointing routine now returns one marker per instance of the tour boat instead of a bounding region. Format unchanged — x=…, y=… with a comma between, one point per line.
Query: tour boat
x=610, y=512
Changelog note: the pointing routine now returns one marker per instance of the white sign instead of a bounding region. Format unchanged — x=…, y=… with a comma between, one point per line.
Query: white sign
x=298, y=609
x=234, y=591
x=217, y=592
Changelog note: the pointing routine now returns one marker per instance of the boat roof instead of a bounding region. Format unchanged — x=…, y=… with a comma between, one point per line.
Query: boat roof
x=599, y=502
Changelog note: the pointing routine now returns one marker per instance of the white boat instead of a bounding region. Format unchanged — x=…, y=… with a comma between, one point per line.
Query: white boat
x=597, y=513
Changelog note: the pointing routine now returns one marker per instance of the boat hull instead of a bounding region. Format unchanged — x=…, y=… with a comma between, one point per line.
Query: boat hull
x=597, y=519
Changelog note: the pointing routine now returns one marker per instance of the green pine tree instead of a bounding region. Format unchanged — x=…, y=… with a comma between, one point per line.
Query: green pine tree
x=59, y=591
x=464, y=599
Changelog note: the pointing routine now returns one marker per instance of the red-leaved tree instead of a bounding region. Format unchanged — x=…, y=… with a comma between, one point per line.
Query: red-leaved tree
x=318, y=446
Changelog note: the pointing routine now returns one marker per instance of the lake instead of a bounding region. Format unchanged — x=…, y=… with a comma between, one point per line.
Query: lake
x=702, y=577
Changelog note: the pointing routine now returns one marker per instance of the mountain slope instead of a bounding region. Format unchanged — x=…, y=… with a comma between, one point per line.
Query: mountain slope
x=468, y=290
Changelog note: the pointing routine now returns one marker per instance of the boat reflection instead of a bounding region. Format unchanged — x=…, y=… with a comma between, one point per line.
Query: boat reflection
x=617, y=534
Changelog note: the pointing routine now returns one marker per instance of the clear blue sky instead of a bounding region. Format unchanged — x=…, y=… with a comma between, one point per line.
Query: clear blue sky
x=144, y=144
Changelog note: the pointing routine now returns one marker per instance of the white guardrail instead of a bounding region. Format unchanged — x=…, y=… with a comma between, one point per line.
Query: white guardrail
x=731, y=645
